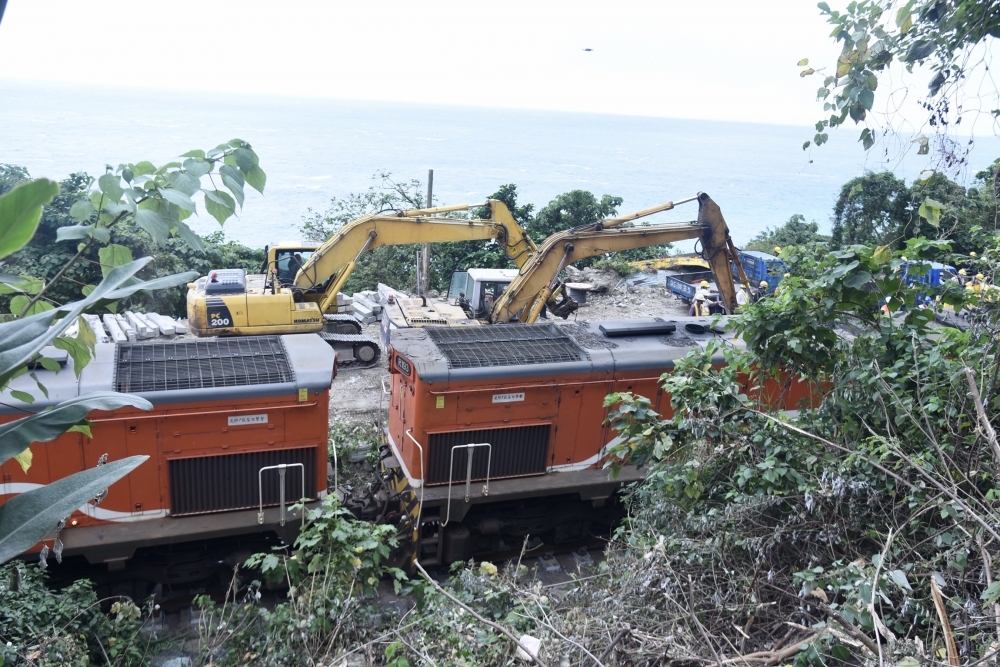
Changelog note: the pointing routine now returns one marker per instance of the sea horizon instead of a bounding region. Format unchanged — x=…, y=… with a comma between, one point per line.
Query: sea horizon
x=313, y=149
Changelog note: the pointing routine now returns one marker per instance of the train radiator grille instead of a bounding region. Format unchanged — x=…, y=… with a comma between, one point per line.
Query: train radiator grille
x=509, y=345
x=518, y=451
x=229, y=482
x=201, y=364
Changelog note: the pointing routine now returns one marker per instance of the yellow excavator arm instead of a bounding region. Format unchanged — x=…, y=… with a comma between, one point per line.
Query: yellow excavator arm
x=538, y=280
x=338, y=257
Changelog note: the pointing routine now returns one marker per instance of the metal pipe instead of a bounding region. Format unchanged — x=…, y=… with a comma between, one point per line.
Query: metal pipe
x=414, y=212
x=613, y=222
x=281, y=468
x=333, y=448
x=468, y=474
x=420, y=507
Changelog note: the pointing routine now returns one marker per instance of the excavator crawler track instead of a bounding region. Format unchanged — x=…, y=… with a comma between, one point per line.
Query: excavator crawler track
x=363, y=350
x=341, y=324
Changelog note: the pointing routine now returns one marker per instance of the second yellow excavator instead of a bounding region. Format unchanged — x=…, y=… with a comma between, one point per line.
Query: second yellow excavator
x=499, y=296
x=537, y=282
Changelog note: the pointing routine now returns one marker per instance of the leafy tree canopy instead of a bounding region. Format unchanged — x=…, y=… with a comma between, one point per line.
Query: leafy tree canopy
x=794, y=232
x=941, y=36
x=572, y=209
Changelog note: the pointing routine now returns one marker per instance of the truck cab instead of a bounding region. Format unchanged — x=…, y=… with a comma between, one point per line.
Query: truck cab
x=476, y=289
x=762, y=266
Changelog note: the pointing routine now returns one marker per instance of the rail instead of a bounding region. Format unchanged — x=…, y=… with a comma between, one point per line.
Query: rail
x=281, y=468
x=468, y=473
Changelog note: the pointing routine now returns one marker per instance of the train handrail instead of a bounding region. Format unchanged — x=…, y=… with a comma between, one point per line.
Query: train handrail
x=281, y=468
x=468, y=473
x=420, y=507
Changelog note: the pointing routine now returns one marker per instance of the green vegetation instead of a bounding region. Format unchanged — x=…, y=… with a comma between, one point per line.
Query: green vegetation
x=793, y=233
x=46, y=628
x=51, y=249
x=76, y=632
x=880, y=209
x=943, y=36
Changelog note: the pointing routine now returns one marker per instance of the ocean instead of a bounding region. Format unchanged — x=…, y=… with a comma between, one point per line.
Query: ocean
x=315, y=149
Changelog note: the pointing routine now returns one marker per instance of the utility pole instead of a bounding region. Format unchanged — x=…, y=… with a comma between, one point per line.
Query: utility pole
x=425, y=255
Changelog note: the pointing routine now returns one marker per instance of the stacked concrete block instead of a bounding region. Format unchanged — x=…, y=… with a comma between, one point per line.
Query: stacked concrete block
x=127, y=327
x=164, y=325
x=118, y=334
x=143, y=329
x=94, y=322
x=367, y=306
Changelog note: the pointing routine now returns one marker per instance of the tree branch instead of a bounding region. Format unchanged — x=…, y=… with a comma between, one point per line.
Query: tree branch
x=984, y=422
x=495, y=626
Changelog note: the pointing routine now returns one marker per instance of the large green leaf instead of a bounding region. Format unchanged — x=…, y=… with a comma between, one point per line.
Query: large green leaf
x=45, y=426
x=73, y=232
x=256, y=178
x=187, y=235
x=930, y=210
x=219, y=205
x=82, y=210
x=245, y=159
x=197, y=169
x=184, y=182
x=19, y=306
x=27, y=518
x=178, y=198
x=155, y=224
x=233, y=179
x=19, y=284
x=21, y=339
x=110, y=185
x=20, y=211
x=112, y=256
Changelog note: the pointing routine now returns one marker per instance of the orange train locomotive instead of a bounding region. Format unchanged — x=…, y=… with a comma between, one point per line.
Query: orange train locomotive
x=224, y=412
x=498, y=432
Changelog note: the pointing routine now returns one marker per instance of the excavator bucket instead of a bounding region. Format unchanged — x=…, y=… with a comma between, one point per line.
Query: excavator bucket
x=717, y=249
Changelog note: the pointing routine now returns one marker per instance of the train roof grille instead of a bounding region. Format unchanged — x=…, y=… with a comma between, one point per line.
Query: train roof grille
x=506, y=345
x=201, y=364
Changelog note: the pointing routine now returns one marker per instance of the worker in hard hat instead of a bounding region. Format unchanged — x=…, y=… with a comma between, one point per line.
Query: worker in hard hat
x=979, y=282
x=761, y=291
x=963, y=277
x=744, y=295
x=701, y=303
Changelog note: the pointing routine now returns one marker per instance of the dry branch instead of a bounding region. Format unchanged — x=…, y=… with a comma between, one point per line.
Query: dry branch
x=495, y=626
x=984, y=422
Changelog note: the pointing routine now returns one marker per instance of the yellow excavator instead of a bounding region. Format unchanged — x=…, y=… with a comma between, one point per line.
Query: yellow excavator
x=537, y=283
x=297, y=290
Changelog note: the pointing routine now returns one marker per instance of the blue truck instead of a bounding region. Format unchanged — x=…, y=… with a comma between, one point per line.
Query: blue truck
x=929, y=273
x=757, y=265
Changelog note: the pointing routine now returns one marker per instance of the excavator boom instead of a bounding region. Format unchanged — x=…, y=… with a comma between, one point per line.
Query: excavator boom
x=538, y=279
x=339, y=255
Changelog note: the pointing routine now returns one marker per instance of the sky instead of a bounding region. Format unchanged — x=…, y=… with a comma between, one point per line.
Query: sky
x=712, y=59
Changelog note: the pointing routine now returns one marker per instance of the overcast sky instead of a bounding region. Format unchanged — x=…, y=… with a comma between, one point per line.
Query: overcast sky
x=708, y=59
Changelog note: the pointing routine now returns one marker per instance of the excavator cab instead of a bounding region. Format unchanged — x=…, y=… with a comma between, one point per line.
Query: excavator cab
x=288, y=262
x=476, y=290
x=284, y=259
